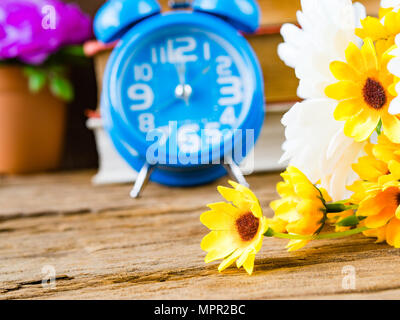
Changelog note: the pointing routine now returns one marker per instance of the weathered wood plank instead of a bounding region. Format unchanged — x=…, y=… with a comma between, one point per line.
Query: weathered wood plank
x=73, y=193
x=151, y=249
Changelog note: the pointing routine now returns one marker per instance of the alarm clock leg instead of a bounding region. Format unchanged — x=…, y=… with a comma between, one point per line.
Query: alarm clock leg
x=235, y=173
x=141, y=180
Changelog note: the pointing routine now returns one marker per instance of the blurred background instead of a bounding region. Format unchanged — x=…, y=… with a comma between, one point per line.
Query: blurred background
x=79, y=147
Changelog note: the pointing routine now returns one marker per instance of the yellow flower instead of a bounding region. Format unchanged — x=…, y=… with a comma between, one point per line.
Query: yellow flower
x=377, y=194
x=301, y=209
x=369, y=168
x=386, y=150
x=381, y=164
x=381, y=30
x=381, y=207
x=237, y=228
x=363, y=93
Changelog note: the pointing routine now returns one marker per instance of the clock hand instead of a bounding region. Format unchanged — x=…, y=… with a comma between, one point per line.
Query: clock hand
x=183, y=90
x=179, y=94
x=181, y=70
x=202, y=73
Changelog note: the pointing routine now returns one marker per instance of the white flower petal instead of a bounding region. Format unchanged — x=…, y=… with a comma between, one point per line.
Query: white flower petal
x=391, y=4
x=394, y=107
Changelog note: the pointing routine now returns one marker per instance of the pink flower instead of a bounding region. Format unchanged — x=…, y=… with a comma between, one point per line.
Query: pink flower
x=30, y=31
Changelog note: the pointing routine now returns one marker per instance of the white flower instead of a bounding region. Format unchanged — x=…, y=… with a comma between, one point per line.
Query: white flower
x=395, y=4
x=315, y=141
x=327, y=27
x=394, y=68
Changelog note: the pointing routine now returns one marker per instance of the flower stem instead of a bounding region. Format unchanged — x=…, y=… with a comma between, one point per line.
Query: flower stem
x=272, y=233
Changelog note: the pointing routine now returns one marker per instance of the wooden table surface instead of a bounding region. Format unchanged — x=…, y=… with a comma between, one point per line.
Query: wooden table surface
x=104, y=245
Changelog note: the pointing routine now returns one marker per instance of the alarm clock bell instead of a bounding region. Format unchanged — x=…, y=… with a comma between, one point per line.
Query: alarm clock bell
x=117, y=19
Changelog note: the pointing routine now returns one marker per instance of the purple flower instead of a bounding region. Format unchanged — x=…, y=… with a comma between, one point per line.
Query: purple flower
x=31, y=30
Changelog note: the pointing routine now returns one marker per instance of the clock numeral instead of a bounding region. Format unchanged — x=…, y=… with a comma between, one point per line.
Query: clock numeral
x=231, y=90
x=185, y=45
x=224, y=65
x=142, y=94
x=207, y=51
x=154, y=58
x=188, y=139
x=143, y=72
x=228, y=116
x=146, y=122
x=178, y=50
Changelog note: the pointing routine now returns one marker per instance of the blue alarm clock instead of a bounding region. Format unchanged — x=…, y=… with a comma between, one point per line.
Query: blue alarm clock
x=182, y=98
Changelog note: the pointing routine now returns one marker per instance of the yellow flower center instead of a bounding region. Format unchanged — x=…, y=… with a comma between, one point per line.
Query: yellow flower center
x=374, y=94
x=247, y=226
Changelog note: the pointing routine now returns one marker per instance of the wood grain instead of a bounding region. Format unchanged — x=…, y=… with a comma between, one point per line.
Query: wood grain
x=105, y=246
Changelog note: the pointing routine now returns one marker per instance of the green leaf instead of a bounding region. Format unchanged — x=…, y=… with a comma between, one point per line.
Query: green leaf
x=37, y=82
x=36, y=78
x=62, y=88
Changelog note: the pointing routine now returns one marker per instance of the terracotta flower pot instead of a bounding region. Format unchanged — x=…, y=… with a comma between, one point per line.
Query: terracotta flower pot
x=31, y=125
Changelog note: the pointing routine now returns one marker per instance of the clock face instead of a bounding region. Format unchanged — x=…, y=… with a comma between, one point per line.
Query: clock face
x=184, y=88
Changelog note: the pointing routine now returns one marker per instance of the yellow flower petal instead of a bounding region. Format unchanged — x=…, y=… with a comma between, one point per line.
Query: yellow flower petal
x=277, y=224
x=217, y=220
x=229, y=260
x=294, y=245
x=249, y=263
x=347, y=109
x=394, y=168
x=392, y=23
x=325, y=195
x=391, y=127
x=218, y=253
x=397, y=213
x=285, y=189
x=379, y=220
x=344, y=89
x=386, y=150
x=342, y=71
x=354, y=57
x=216, y=239
x=369, y=55
x=371, y=206
x=361, y=126
x=242, y=259
x=393, y=233
x=379, y=233
x=370, y=169
x=225, y=207
x=371, y=27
